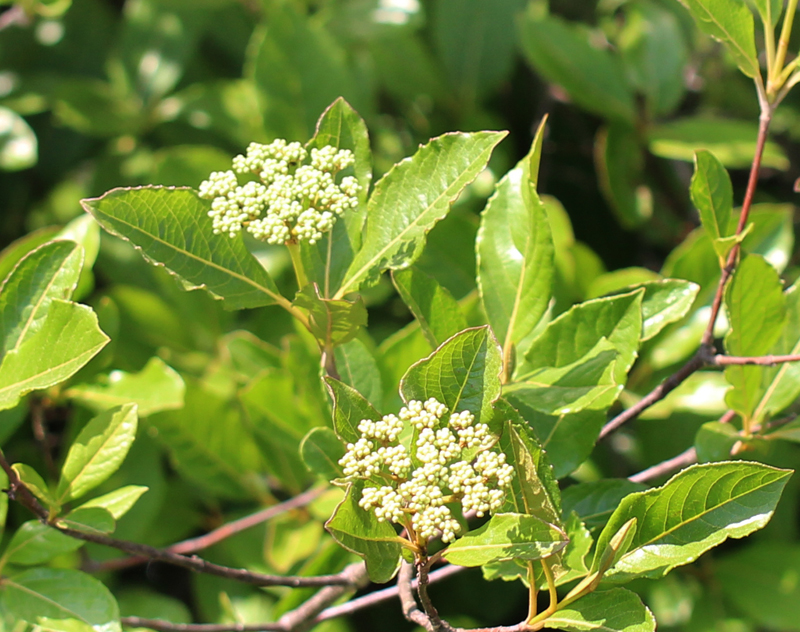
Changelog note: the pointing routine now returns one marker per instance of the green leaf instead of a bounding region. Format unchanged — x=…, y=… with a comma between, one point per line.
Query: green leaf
x=171, y=228
x=534, y=489
x=16, y=250
x=506, y=536
x=333, y=322
x=409, y=200
x=3, y=501
x=463, y=374
x=155, y=388
x=433, y=306
x=730, y=22
x=769, y=10
x=360, y=532
x=349, y=408
x=327, y=261
x=67, y=340
x=695, y=510
x=49, y=272
x=515, y=253
x=732, y=142
x=571, y=336
x=321, y=450
x=761, y=579
x=118, y=502
x=568, y=438
x=94, y=520
x=18, y=144
x=756, y=311
x=37, y=543
x=60, y=600
x=563, y=54
x=665, y=302
x=595, y=502
x=358, y=368
x=35, y=483
x=714, y=441
x=712, y=195
x=614, y=610
x=97, y=453
x=620, y=165
x=588, y=384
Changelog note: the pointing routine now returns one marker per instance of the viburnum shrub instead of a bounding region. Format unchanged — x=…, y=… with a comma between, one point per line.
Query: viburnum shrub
x=462, y=440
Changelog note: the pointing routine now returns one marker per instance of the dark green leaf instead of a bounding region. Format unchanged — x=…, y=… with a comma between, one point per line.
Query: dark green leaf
x=515, y=253
x=60, y=600
x=94, y=520
x=463, y=374
x=171, y=227
x=333, y=322
x=409, y=200
x=360, y=532
x=37, y=543
x=563, y=54
x=155, y=388
x=714, y=441
x=321, y=450
x=620, y=166
x=349, y=408
x=615, y=610
x=433, y=306
x=731, y=23
x=68, y=339
x=595, y=502
x=97, y=452
x=506, y=536
x=694, y=511
x=358, y=368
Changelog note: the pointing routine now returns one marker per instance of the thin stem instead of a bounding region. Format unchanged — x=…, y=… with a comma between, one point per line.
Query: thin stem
x=193, y=545
x=297, y=264
x=767, y=360
x=425, y=599
x=687, y=457
x=165, y=626
x=533, y=592
x=786, y=33
x=769, y=45
x=409, y=605
x=551, y=587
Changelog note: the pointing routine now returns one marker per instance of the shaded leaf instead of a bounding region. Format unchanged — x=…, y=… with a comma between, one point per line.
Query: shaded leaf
x=695, y=510
x=506, y=536
x=714, y=441
x=614, y=610
x=409, y=200
x=321, y=450
x=620, y=165
x=36, y=543
x=594, y=502
x=349, y=408
x=359, y=369
x=333, y=322
x=171, y=227
x=94, y=520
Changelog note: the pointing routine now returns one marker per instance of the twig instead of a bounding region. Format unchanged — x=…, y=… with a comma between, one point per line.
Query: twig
x=687, y=457
x=379, y=596
x=409, y=605
x=213, y=537
x=14, y=15
x=430, y=610
x=166, y=626
x=768, y=360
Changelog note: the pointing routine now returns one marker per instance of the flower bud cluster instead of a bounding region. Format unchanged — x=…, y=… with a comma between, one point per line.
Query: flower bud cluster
x=291, y=201
x=455, y=463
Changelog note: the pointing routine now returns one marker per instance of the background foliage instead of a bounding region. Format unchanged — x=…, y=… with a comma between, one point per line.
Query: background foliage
x=96, y=95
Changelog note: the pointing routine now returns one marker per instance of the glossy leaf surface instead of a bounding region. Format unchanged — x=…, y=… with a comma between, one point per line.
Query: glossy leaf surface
x=614, y=610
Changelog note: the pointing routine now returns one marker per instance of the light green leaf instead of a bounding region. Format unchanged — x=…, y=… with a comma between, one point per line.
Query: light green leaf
x=534, y=489
x=761, y=579
x=506, y=536
x=18, y=144
x=49, y=272
x=321, y=450
x=171, y=227
x=409, y=200
x=769, y=10
x=358, y=368
x=433, y=306
x=60, y=600
x=94, y=520
x=515, y=253
x=463, y=374
x=615, y=610
x=575, y=333
x=730, y=22
x=16, y=250
x=588, y=384
x=595, y=502
x=732, y=142
x=349, y=408
x=118, y=502
x=695, y=510
x=712, y=195
x=35, y=483
x=360, y=532
x=37, y=543
x=563, y=54
x=756, y=311
x=97, y=452
x=333, y=322
x=665, y=302
x=155, y=388
x=621, y=281
x=67, y=340
x=327, y=261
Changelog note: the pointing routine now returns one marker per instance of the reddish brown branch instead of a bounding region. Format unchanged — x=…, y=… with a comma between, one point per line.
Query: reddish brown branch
x=213, y=537
x=768, y=360
x=687, y=457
